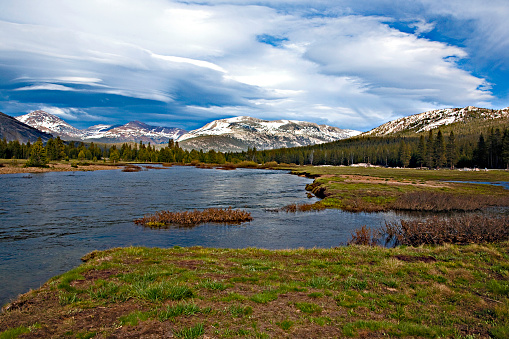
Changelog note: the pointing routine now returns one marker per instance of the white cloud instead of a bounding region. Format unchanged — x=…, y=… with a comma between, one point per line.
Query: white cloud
x=204, y=58
x=47, y=87
x=70, y=113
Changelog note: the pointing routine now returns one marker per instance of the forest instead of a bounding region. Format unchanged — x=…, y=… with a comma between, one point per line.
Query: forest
x=434, y=149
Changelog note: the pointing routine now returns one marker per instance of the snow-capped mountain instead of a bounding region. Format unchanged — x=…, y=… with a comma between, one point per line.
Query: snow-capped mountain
x=50, y=123
x=134, y=131
x=12, y=129
x=433, y=119
x=137, y=131
x=239, y=133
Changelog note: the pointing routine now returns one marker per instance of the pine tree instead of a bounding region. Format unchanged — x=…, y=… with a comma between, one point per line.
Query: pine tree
x=421, y=151
x=440, y=158
x=430, y=150
x=37, y=155
x=505, y=148
x=451, y=150
x=481, y=153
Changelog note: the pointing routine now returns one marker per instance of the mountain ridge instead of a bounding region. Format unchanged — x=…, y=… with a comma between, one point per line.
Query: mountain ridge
x=232, y=134
x=134, y=131
x=11, y=129
x=242, y=132
x=433, y=119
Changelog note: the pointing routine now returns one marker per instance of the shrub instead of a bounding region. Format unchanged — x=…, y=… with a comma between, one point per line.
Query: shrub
x=460, y=230
x=190, y=218
x=364, y=236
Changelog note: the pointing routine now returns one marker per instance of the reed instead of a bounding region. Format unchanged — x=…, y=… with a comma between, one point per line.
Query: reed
x=445, y=202
x=131, y=168
x=293, y=208
x=459, y=230
x=365, y=236
x=192, y=218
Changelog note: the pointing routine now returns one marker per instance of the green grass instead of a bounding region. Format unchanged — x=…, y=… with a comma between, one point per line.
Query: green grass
x=190, y=332
x=377, y=189
x=354, y=291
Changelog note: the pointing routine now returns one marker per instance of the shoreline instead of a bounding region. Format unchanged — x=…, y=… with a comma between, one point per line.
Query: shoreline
x=55, y=168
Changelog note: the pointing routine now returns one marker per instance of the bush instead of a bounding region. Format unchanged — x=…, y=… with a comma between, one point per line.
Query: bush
x=460, y=230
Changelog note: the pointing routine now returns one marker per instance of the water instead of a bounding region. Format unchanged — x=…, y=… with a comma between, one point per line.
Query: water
x=49, y=221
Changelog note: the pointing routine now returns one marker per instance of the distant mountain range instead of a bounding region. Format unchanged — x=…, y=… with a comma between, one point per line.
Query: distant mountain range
x=234, y=134
x=133, y=131
x=438, y=118
x=239, y=133
x=11, y=129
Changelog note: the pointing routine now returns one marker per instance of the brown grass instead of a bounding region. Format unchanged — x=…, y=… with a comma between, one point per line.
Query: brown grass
x=191, y=218
x=459, y=230
x=131, y=168
x=445, y=202
x=364, y=236
x=293, y=208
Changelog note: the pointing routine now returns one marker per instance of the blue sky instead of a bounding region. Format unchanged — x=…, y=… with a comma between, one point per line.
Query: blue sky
x=346, y=63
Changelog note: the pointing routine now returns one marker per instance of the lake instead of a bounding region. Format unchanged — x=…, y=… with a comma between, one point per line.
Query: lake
x=49, y=221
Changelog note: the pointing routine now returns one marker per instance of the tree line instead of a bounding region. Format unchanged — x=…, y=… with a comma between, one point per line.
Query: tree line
x=431, y=149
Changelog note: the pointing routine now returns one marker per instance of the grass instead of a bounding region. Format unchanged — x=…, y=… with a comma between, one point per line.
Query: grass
x=382, y=189
x=356, y=291
x=191, y=218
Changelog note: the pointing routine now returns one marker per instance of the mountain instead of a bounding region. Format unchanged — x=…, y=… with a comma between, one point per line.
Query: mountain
x=50, y=123
x=239, y=133
x=466, y=117
x=134, y=131
x=12, y=129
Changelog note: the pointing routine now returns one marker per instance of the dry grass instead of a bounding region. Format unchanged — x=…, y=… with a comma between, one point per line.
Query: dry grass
x=364, y=236
x=131, y=168
x=459, y=230
x=293, y=208
x=191, y=218
x=445, y=202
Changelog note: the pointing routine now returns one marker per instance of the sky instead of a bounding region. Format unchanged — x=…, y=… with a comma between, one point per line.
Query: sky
x=347, y=63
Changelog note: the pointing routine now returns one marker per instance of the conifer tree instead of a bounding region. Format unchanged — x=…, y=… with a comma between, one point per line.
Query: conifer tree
x=430, y=150
x=421, y=151
x=37, y=155
x=451, y=150
x=440, y=158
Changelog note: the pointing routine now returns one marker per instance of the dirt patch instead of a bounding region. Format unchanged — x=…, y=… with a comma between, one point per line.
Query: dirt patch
x=376, y=180
x=407, y=258
x=190, y=264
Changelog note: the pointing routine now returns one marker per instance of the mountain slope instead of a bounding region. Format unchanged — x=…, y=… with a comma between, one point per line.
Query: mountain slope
x=134, y=131
x=50, y=123
x=438, y=118
x=12, y=129
x=239, y=133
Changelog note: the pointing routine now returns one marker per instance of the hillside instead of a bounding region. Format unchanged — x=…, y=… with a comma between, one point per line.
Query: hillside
x=241, y=133
x=466, y=120
x=12, y=129
x=133, y=131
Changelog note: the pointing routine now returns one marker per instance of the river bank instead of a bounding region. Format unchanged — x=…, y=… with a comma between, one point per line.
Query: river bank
x=13, y=168
x=355, y=291
x=378, y=189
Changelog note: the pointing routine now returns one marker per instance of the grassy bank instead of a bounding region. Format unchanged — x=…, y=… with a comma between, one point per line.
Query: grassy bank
x=379, y=189
x=445, y=291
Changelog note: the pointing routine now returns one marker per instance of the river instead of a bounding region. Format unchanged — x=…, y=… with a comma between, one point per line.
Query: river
x=49, y=221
